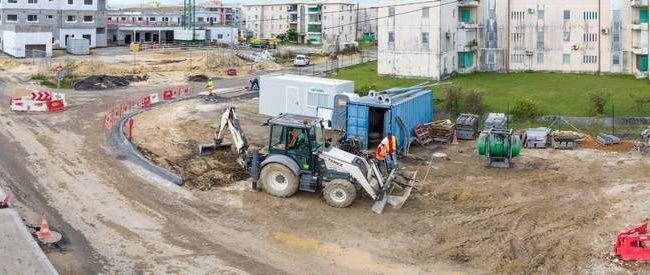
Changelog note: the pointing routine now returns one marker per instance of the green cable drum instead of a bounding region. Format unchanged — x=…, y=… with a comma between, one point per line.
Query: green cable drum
x=499, y=145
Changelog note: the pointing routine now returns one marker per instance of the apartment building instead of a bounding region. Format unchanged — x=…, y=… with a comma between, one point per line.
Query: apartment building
x=436, y=39
x=35, y=27
x=159, y=24
x=367, y=18
x=323, y=22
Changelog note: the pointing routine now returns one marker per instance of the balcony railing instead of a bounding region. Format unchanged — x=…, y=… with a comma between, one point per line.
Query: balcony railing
x=313, y=10
x=639, y=3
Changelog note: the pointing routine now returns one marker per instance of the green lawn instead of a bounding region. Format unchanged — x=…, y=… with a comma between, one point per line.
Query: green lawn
x=559, y=94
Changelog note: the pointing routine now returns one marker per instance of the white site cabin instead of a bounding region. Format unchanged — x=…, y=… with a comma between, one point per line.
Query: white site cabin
x=301, y=95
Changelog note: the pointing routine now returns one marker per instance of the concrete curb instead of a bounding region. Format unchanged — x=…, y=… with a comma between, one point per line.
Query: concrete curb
x=19, y=252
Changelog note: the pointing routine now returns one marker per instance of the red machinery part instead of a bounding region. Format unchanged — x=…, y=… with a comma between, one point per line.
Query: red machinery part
x=633, y=244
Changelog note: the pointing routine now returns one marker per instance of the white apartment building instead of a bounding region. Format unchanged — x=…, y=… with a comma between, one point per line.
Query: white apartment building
x=316, y=21
x=35, y=27
x=367, y=17
x=158, y=25
x=436, y=39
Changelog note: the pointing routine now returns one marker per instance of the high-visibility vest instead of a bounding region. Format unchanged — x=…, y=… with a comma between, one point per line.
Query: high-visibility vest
x=380, y=153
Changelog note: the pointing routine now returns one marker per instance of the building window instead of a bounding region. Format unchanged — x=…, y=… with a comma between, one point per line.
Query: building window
x=100, y=31
x=12, y=1
x=540, y=58
x=590, y=37
x=567, y=15
x=590, y=15
x=32, y=18
x=540, y=14
x=566, y=59
x=517, y=37
x=88, y=18
x=317, y=98
x=566, y=36
x=32, y=1
x=589, y=59
x=425, y=12
x=88, y=2
x=518, y=15
x=517, y=58
x=219, y=36
x=540, y=40
x=391, y=37
x=70, y=2
x=12, y=17
x=616, y=59
x=425, y=38
x=391, y=11
x=71, y=18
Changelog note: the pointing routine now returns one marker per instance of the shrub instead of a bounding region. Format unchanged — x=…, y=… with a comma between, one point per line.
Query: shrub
x=452, y=100
x=364, y=89
x=526, y=108
x=474, y=102
x=597, y=103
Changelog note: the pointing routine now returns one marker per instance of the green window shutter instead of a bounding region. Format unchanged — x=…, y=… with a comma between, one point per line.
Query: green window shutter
x=643, y=63
x=465, y=16
x=643, y=16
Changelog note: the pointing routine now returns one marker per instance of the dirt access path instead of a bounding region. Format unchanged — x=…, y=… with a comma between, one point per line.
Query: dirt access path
x=554, y=212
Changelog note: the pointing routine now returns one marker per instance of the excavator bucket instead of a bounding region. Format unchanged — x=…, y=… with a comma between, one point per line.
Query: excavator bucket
x=392, y=186
x=209, y=149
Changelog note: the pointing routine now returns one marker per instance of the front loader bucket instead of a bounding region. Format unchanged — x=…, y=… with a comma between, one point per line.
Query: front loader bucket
x=397, y=201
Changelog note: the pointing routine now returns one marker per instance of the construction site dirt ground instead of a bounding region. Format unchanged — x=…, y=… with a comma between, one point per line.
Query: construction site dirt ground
x=553, y=212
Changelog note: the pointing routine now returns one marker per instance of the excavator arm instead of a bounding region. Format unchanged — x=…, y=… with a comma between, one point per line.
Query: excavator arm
x=228, y=121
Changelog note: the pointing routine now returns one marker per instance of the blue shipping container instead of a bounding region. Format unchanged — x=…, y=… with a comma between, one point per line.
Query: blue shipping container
x=399, y=111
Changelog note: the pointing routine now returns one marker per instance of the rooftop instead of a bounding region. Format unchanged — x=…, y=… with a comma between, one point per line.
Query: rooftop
x=312, y=79
x=290, y=2
x=298, y=121
x=396, y=96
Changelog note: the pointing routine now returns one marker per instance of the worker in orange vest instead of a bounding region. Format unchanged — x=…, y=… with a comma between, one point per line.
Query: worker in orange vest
x=391, y=145
x=380, y=156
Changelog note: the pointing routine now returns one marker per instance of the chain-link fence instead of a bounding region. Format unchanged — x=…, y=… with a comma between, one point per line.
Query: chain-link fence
x=334, y=64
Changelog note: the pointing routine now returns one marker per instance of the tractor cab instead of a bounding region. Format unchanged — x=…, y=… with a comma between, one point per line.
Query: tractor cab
x=298, y=137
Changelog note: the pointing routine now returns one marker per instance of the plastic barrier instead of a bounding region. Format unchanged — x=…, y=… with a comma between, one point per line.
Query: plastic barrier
x=145, y=102
x=154, y=98
x=55, y=105
x=36, y=106
x=19, y=103
x=168, y=95
x=41, y=96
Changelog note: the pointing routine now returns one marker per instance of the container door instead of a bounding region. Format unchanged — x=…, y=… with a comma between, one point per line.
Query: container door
x=357, y=125
x=292, y=101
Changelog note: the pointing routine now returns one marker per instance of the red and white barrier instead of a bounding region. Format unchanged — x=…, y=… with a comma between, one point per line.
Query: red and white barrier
x=38, y=101
x=154, y=98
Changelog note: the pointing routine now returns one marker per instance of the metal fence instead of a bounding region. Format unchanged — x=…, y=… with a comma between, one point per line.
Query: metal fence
x=333, y=65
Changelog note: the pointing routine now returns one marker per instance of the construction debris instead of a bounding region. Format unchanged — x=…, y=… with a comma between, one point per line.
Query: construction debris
x=443, y=131
x=496, y=121
x=606, y=139
x=536, y=137
x=645, y=136
x=198, y=78
x=101, y=82
x=565, y=140
x=467, y=126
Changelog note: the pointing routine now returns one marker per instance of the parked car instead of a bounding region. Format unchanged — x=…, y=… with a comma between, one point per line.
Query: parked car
x=301, y=60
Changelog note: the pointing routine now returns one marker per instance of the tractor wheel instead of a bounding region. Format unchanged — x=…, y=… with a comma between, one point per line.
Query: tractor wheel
x=339, y=193
x=278, y=180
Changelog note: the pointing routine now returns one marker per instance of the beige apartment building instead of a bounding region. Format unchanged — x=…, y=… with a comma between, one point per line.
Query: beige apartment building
x=438, y=38
x=317, y=22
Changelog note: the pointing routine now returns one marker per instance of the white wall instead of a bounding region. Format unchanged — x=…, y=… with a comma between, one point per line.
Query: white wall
x=50, y=5
x=229, y=34
x=14, y=43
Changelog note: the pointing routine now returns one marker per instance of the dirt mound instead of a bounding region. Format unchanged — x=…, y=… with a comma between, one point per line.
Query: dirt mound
x=201, y=172
x=591, y=143
x=101, y=82
x=197, y=78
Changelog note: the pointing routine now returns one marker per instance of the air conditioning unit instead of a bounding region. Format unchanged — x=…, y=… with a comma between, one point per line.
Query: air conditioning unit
x=447, y=35
x=575, y=47
x=529, y=52
x=531, y=10
x=605, y=31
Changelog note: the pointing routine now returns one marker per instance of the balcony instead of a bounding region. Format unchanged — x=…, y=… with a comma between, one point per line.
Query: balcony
x=639, y=50
x=474, y=3
x=293, y=19
x=637, y=26
x=639, y=3
x=293, y=9
x=468, y=25
x=314, y=29
x=312, y=10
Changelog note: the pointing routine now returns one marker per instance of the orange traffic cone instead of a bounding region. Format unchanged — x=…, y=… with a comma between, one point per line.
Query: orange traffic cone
x=44, y=232
x=455, y=140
